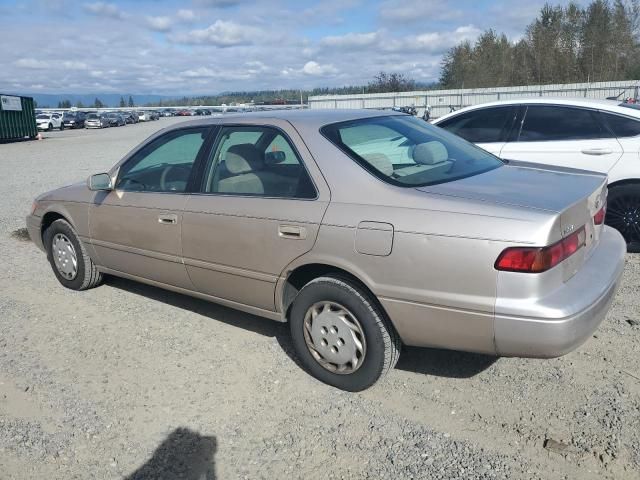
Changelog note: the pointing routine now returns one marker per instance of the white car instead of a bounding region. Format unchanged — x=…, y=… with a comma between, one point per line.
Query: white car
x=597, y=135
x=143, y=116
x=49, y=121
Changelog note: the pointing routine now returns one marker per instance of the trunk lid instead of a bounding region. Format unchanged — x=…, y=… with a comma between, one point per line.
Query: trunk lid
x=576, y=195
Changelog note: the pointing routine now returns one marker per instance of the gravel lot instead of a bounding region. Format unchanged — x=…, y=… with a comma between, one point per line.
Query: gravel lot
x=129, y=381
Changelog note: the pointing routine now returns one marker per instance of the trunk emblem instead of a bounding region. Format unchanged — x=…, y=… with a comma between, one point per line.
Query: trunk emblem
x=567, y=230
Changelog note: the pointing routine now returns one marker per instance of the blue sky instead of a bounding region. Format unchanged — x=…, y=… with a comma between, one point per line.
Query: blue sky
x=208, y=46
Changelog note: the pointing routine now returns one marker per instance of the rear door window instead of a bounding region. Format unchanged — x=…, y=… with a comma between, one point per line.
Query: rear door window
x=622, y=126
x=486, y=125
x=557, y=123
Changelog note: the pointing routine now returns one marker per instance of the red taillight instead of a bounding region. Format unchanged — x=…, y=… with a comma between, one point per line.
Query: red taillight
x=598, y=218
x=540, y=259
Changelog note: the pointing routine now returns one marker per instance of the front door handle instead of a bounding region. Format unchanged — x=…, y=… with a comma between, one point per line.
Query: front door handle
x=292, y=231
x=597, y=151
x=169, y=219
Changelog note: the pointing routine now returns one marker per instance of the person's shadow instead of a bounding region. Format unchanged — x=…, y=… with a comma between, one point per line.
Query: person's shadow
x=184, y=455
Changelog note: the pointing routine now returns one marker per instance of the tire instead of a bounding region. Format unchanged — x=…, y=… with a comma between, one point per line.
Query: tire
x=50, y=127
x=61, y=126
x=381, y=342
x=623, y=214
x=87, y=275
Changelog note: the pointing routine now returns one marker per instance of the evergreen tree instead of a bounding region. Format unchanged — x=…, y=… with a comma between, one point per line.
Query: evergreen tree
x=122, y=103
x=131, y=104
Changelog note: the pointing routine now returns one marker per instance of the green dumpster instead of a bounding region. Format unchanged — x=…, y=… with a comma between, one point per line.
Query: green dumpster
x=17, y=118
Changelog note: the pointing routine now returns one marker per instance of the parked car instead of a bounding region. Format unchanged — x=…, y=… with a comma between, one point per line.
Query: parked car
x=442, y=244
x=143, y=116
x=96, y=120
x=130, y=117
x=153, y=115
x=598, y=135
x=115, y=119
x=73, y=119
x=49, y=121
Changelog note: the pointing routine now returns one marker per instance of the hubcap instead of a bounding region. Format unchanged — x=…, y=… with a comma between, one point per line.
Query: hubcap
x=334, y=337
x=623, y=214
x=64, y=256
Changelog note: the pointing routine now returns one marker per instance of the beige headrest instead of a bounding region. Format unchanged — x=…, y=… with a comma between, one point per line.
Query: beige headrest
x=243, y=158
x=430, y=152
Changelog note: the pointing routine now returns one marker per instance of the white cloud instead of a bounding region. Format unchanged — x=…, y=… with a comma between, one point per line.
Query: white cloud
x=351, y=40
x=31, y=63
x=186, y=16
x=102, y=9
x=402, y=11
x=74, y=65
x=159, y=24
x=218, y=3
x=315, y=69
x=223, y=33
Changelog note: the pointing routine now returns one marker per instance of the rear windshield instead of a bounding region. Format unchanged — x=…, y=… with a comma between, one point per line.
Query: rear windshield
x=405, y=151
x=92, y=116
x=43, y=117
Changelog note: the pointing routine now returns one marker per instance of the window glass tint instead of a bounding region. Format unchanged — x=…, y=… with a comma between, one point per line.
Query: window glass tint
x=548, y=123
x=409, y=152
x=480, y=126
x=622, y=126
x=257, y=161
x=164, y=165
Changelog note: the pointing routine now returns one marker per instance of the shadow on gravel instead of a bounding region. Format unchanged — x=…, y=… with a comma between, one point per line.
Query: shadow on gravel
x=184, y=455
x=21, y=234
x=216, y=312
x=426, y=361
x=443, y=363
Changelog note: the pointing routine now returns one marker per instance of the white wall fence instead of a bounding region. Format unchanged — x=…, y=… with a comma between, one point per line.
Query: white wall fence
x=442, y=101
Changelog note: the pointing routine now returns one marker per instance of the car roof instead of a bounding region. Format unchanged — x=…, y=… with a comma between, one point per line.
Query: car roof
x=608, y=105
x=315, y=118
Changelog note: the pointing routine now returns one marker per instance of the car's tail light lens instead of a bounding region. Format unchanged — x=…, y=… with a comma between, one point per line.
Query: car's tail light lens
x=598, y=218
x=34, y=207
x=540, y=259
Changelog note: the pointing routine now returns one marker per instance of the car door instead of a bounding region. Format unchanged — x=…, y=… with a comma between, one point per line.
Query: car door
x=564, y=136
x=135, y=228
x=260, y=205
x=486, y=127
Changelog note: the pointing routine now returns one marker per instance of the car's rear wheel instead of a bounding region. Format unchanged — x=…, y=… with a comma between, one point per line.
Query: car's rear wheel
x=68, y=257
x=341, y=335
x=61, y=126
x=623, y=214
x=49, y=127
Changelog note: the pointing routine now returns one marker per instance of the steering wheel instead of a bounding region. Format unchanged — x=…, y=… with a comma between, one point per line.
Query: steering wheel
x=165, y=174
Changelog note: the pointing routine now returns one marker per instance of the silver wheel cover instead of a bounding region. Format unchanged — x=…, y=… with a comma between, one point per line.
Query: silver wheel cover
x=334, y=337
x=64, y=256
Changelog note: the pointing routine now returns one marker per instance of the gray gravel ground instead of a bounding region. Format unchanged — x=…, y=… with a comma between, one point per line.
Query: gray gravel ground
x=129, y=381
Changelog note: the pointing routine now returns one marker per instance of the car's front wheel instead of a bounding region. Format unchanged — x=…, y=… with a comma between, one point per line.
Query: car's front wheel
x=341, y=335
x=68, y=257
x=623, y=213
x=61, y=126
x=49, y=127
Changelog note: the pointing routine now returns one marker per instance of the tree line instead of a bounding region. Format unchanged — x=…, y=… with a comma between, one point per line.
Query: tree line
x=97, y=103
x=571, y=44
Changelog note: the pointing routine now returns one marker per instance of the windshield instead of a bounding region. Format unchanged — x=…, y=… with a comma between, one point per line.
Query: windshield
x=405, y=151
x=635, y=106
x=92, y=116
x=43, y=117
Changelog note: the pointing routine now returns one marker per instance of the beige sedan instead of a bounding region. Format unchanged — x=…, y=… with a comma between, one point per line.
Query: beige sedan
x=364, y=230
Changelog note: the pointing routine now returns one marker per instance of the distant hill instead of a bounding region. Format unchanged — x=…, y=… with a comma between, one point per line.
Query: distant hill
x=109, y=99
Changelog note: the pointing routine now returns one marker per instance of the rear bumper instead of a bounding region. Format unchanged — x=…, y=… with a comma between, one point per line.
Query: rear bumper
x=570, y=315
x=33, y=227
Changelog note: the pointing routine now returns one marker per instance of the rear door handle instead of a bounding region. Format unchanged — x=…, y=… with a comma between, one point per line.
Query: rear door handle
x=597, y=151
x=292, y=231
x=169, y=219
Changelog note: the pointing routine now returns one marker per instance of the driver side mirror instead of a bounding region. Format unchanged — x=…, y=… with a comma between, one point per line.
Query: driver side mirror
x=99, y=181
